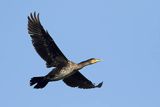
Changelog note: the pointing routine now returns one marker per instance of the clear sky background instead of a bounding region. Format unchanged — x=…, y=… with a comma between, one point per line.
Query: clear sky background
x=124, y=33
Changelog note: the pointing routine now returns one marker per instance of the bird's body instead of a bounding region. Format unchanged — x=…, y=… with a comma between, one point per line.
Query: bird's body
x=62, y=72
x=64, y=69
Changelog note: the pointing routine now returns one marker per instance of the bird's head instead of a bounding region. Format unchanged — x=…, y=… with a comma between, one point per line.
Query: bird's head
x=94, y=60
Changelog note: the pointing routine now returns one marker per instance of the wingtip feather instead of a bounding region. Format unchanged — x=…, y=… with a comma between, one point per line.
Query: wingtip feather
x=100, y=85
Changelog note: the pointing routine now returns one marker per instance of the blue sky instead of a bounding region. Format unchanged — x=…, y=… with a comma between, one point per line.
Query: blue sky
x=124, y=33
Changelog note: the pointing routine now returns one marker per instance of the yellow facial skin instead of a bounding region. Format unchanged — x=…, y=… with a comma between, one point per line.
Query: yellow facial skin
x=95, y=61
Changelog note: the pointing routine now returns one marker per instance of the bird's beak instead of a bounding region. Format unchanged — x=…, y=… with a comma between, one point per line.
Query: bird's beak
x=98, y=60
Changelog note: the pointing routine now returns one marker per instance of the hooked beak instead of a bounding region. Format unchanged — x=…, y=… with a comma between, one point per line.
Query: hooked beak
x=98, y=60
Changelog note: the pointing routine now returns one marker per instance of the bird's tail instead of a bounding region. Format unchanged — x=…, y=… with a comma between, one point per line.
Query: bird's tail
x=40, y=82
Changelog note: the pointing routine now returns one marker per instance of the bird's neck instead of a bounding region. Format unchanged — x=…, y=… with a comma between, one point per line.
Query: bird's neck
x=83, y=64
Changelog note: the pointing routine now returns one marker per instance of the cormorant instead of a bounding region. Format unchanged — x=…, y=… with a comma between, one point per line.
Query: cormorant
x=65, y=69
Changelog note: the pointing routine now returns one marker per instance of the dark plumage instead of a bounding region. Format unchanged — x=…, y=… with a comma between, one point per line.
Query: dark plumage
x=65, y=69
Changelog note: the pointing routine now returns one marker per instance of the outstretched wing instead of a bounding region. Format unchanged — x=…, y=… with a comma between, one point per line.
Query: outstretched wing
x=80, y=81
x=43, y=43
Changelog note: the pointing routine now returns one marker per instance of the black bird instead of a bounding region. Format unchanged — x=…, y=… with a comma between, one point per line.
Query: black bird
x=65, y=69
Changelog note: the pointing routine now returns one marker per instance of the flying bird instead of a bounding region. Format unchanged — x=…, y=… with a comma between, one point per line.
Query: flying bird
x=64, y=69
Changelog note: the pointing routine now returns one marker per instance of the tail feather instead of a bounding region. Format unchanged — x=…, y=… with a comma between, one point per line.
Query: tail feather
x=40, y=82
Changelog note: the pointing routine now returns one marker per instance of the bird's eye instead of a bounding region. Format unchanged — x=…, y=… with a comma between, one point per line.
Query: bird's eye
x=93, y=61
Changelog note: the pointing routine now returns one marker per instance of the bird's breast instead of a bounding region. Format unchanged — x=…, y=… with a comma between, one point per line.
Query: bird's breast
x=65, y=72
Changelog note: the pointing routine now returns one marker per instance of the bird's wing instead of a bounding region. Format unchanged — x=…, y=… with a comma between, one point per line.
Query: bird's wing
x=43, y=43
x=80, y=81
